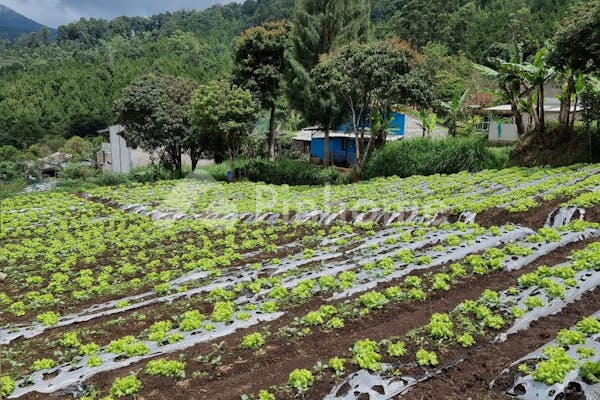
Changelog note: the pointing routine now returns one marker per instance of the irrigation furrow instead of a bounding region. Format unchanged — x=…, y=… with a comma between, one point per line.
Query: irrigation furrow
x=363, y=382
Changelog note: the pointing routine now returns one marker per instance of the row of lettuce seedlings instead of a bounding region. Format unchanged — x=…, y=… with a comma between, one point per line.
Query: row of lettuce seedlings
x=493, y=258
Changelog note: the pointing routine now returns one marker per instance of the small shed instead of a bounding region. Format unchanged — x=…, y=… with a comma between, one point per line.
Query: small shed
x=507, y=132
x=342, y=142
x=342, y=148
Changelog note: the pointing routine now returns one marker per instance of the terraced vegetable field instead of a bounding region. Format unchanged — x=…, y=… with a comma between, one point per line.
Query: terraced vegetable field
x=480, y=286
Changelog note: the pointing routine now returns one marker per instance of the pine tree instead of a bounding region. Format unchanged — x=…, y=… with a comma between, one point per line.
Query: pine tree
x=320, y=27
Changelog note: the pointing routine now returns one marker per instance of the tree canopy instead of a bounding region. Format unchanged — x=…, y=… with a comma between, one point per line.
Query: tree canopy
x=259, y=67
x=367, y=80
x=221, y=109
x=577, y=42
x=155, y=111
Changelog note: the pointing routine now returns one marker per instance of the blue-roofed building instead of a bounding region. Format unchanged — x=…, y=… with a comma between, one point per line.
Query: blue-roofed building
x=342, y=142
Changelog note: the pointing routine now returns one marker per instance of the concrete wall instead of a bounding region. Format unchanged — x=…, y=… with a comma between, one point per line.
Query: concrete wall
x=121, y=157
x=503, y=132
x=117, y=157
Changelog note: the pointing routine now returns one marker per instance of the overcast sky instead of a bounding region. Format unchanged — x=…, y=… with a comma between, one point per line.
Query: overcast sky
x=59, y=12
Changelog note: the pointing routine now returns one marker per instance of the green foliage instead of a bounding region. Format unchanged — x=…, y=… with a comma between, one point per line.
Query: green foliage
x=586, y=352
x=313, y=318
x=70, y=339
x=555, y=368
x=44, y=363
x=191, y=320
x=534, y=302
x=168, y=368
x=440, y=326
x=397, y=349
x=425, y=156
x=417, y=294
x=269, y=307
x=367, y=80
x=337, y=365
x=426, y=358
x=49, y=318
x=158, y=331
x=465, y=340
x=366, y=354
x=373, y=300
x=589, y=326
x=223, y=311
x=259, y=58
x=575, y=43
x=335, y=323
x=590, y=372
x=319, y=27
x=128, y=386
x=94, y=362
x=264, y=395
x=224, y=113
x=289, y=172
x=253, y=341
x=7, y=386
x=155, y=110
x=128, y=347
x=89, y=349
x=301, y=380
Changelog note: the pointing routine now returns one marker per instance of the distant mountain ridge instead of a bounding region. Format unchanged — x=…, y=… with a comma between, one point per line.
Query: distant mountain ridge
x=13, y=24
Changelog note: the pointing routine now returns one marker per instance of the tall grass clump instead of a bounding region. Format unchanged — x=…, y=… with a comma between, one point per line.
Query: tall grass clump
x=425, y=156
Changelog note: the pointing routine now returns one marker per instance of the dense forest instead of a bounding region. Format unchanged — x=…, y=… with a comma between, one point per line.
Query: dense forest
x=53, y=89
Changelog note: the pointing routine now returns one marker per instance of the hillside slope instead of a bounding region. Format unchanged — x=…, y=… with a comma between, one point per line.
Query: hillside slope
x=13, y=24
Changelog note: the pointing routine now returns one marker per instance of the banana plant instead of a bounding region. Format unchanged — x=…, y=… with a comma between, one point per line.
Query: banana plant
x=455, y=112
x=428, y=121
x=535, y=74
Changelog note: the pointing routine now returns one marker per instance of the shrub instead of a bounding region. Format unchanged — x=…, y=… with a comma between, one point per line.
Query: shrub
x=426, y=156
x=9, y=171
x=150, y=173
x=289, y=172
x=78, y=172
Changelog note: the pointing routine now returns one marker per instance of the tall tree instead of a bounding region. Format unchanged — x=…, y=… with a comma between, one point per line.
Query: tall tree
x=259, y=57
x=368, y=80
x=220, y=109
x=154, y=110
x=577, y=43
x=319, y=27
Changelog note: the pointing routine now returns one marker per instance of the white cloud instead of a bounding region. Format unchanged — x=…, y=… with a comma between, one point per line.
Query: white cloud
x=58, y=12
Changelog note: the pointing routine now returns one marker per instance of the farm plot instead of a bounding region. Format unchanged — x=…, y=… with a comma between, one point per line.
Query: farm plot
x=162, y=291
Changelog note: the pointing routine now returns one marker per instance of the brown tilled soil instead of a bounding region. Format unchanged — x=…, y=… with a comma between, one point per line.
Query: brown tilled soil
x=245, y=372
x=471, y=379
x=533, y=218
